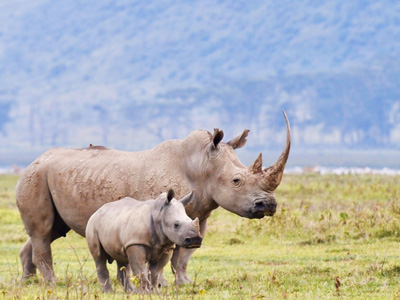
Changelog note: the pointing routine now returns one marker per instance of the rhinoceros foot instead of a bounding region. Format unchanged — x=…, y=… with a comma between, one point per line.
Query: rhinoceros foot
x=182, y=279
x=162, y=282
x=107, y=290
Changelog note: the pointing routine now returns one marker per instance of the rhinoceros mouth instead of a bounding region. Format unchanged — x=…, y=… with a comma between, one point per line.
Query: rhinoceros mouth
x=269, y=213
x=257, y=215
x=263, y=207
x=193, y=242
x=261, y=214
x=192, y=246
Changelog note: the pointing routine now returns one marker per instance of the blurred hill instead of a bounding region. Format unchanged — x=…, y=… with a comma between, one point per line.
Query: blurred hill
x=130, y=74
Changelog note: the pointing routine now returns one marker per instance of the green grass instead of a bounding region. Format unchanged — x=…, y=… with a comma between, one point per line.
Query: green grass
x=326, y=227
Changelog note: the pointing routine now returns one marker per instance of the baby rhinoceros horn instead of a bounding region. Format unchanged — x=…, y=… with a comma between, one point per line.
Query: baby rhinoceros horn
x=196, y=224
x=194, y=241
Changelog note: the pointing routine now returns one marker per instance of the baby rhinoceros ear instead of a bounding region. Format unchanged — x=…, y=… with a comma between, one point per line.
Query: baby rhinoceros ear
x=170, y=195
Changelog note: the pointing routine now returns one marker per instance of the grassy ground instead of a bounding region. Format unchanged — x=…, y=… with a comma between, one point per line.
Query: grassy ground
x=327, y=229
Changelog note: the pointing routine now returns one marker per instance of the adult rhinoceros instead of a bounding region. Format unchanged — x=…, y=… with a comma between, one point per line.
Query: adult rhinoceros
x=62, y=188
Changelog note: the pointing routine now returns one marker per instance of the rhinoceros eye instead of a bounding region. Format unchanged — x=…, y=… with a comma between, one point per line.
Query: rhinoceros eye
x=177, y=225
x=236, y=180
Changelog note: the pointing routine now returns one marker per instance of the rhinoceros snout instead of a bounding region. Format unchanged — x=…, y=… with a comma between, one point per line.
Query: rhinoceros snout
x=271, y=209
x=192, y=242
x=263, y=208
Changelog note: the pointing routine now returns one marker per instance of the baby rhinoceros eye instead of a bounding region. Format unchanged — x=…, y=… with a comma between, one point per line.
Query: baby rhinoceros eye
x=177, y=225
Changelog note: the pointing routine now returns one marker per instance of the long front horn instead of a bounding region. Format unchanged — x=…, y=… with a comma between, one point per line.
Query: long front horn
x=272, y=175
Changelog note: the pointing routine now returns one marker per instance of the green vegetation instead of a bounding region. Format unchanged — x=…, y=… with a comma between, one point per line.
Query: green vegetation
x=328, y=229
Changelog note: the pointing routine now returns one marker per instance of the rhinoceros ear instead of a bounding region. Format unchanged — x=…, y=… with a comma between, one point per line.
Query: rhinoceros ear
x=170, y=195
x=217, y=137
x=188, y=198
x=239, y=141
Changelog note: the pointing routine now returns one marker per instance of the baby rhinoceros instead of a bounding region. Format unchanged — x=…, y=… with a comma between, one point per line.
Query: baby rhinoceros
x=139, y=236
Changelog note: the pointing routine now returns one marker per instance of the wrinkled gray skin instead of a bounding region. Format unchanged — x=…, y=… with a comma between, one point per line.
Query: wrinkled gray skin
x=62, y=188
x=140, y=237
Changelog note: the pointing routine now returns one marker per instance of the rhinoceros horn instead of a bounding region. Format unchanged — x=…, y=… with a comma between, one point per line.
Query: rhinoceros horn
x=256, y=167
x=196, y=223
x=272, y=175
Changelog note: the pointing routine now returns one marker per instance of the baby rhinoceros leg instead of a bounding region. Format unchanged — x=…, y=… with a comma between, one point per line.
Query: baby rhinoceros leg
x=100, y=259
x=123, y=276
x=137, y=260
x=103, y=274
x=156, y=270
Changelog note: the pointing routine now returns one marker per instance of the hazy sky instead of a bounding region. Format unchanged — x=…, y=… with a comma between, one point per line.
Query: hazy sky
x=130, y=74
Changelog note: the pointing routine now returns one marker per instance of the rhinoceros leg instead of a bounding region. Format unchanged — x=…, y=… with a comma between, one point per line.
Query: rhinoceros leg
x=123, y=276
x=156, y=271
x=179, y=262
x=28, y=268
x=40, y=232
x=38, y=214
x=102, y=274
x=100, y=259
x=26, y=256
x=137, y=260
x=42, y=257
x=180, y=259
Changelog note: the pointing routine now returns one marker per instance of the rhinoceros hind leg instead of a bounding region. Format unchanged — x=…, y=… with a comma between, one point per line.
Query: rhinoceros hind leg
x=28, y=267
x=103, y=275
x=123, y=276
x=100, y=258
x=37, y=210
x=26, y=256
x=42, y=257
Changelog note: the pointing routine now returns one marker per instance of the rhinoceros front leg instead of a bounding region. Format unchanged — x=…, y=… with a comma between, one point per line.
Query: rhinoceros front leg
x=156, y=271
x=181, y=257
x=137, y=260
x=123, y=276
x=179, y=262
